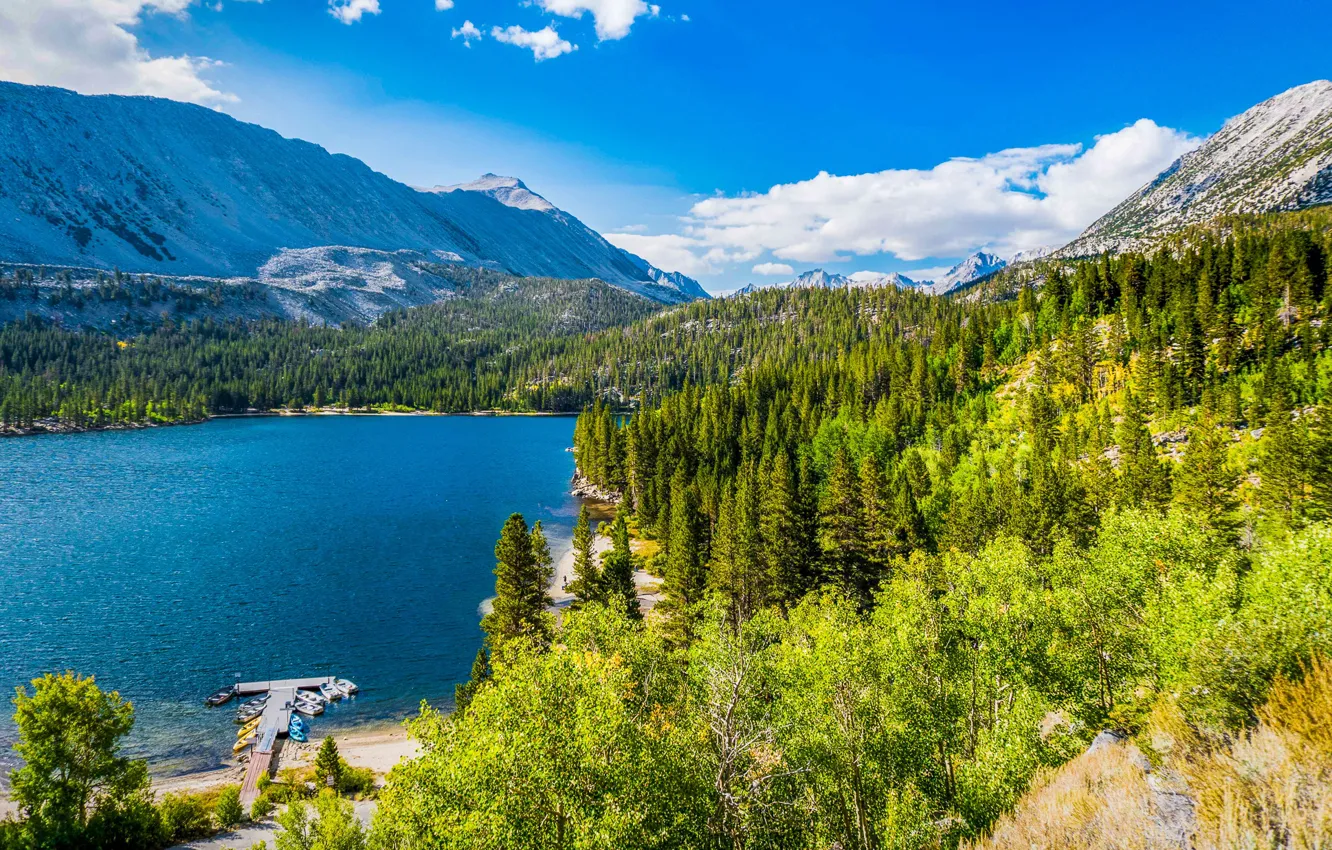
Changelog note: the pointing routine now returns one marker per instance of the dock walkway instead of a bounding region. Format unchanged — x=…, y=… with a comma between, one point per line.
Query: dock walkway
x=274, y=723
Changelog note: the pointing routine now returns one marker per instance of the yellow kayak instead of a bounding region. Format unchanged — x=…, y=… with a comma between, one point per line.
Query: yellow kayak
x=243, y=743
x=248, y=728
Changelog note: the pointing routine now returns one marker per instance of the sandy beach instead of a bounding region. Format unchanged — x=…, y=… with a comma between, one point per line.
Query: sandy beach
x=649, y=586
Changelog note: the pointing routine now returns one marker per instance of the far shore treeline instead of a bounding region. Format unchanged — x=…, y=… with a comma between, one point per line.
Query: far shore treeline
x=915, y=553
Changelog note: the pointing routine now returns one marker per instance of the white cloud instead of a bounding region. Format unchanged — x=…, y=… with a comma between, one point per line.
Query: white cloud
x=87, y=45
x=613, y=17
x=632, y=228
x=351, y=11
x=1010, y=200
x=679, y=253
x=544, y=43
x=773, y=269
x=443, y=5
x=467, y=32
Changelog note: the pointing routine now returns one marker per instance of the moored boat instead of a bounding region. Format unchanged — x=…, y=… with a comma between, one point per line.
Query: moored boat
x=312, y=696
x=308, y=708
x=249, y=728
x=347, y=686
x=330, y=691
x=242, y=743
x=221, y=696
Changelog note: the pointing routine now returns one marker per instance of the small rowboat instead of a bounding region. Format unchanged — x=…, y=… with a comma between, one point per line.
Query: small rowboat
x=346, y=686
x=309, y=709
x=221, y=696
x=330, y=691
x=312, y=696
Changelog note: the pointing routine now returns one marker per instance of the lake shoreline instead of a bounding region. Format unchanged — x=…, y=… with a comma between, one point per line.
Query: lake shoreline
x=378, y=746
x=50, y=427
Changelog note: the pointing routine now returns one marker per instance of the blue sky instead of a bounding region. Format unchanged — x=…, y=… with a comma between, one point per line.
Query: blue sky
x=948, y=126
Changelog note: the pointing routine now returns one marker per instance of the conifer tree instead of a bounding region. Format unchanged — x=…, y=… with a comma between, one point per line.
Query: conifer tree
x=1144, y=480
x=1283, y=467
x=617, y=568
x=522, y=573
x=840, y=515
x=686, y=578
x=586, y=586
x=877, y=533
x=465, y=691
x=780, y=531
x=1205, y=484
x=1320, y=461
x=328, y=763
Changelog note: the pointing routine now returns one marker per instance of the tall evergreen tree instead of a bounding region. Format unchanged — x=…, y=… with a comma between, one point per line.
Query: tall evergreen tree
x=1205, y=484
x=686, y=578
x=617, y=568
x=1144, y=479
x=1283, y=467
x=522, y=574
x=840, y=516
x=586, y=586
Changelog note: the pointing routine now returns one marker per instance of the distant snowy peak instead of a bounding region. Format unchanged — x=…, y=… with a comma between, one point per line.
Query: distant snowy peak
x=509, y=191
x=819, y=279
x=973, y=268
x=1031, y=254
x=1275, y=156
x=872, y=280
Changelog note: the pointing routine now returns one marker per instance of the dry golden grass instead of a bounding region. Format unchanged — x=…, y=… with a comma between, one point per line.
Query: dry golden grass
x=1269, y=787
x=1098, y=801
x=1272, y=786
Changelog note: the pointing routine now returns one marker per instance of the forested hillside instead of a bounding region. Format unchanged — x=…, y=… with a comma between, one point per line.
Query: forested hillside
x=919, y=551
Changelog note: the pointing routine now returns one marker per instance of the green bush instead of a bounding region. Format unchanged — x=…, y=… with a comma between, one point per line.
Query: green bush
x=261, y=808
x=356, y=780
x=228, y=810
x=185, y=817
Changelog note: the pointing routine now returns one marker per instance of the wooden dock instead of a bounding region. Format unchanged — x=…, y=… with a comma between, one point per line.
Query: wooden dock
x=274, y=724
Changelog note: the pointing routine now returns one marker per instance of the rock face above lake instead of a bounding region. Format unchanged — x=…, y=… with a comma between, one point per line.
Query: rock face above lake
x=153, y=186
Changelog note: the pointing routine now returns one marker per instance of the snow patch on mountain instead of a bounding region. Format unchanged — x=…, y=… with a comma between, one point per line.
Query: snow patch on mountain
x=153, y=186
x=509, y=191
x=1274, y=156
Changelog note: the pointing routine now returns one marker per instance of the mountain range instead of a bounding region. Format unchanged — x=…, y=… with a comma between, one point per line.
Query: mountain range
x=153, y=186
x=978, y=265
x=1275, y=156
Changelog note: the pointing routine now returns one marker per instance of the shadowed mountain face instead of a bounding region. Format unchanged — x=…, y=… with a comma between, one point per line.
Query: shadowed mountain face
x=1275, y=156
x=154, y=186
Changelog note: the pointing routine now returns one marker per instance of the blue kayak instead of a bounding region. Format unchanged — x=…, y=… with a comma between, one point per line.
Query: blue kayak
x=297, y=728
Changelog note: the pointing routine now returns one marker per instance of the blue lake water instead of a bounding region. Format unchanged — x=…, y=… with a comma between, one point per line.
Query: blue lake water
x=166, y=561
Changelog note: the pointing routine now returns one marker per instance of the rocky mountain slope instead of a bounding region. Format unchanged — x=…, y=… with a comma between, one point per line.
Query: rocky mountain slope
x=1276, y=156
x=153, y=186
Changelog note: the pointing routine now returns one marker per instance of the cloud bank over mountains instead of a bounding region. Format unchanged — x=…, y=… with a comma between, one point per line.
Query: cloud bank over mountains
x=1007, y=201
x=89, y=46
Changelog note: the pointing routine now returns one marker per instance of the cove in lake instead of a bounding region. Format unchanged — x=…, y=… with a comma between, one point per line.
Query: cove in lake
x=165, y=561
